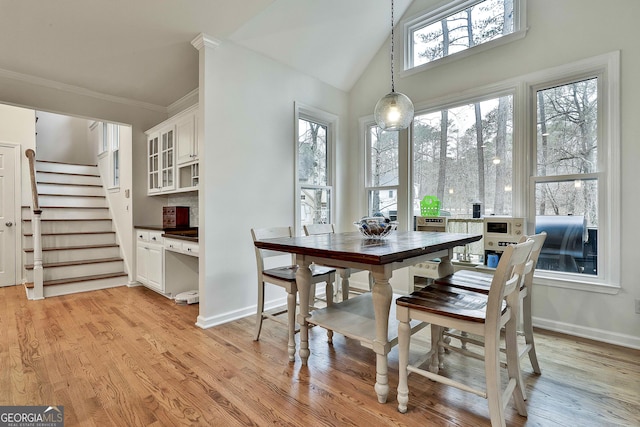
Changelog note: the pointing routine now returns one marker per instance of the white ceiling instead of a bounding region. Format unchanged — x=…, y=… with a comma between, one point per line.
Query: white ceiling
x=141, y=49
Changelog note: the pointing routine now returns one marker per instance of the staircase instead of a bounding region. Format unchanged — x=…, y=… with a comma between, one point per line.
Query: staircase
x=79, y=247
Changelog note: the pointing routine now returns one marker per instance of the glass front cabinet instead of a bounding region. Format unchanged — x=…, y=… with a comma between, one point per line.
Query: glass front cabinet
x=172, y=159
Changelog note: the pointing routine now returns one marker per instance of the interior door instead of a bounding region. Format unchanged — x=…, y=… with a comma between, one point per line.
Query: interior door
x=7, y=217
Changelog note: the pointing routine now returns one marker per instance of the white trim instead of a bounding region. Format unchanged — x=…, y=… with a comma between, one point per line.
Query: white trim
x=38, y=81
x=590, y=333
x=331, y=121
x=443, y=10
x=17, y=151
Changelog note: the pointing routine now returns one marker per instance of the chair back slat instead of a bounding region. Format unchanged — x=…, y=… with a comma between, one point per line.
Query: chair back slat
x=314, y=229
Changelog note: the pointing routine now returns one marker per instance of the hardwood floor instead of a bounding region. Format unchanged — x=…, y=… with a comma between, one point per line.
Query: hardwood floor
x=129, y=357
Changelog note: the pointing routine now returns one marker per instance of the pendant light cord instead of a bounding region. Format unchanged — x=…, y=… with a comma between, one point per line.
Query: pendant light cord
x=392, y=82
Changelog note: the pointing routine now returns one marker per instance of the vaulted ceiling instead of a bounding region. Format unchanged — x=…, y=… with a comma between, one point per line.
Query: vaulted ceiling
x=141, y=49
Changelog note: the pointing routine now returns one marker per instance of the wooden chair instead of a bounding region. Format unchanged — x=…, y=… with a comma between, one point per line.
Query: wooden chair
x=475, y=313
x=320, y=229
x=477, y=281
x=285, y=277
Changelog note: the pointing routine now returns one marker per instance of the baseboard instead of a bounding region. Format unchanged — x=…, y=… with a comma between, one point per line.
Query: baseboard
x=589, y=333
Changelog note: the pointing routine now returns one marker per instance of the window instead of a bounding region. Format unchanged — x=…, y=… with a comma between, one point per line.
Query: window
x=544, y=146
x=115, y=156
x=382, y=165
x=566, y=178
x=314, y=172
x=462, y=155
x=459, y=26
x=110, y=148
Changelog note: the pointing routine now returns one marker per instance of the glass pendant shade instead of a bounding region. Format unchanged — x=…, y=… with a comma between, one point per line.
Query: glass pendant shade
x=394, y=111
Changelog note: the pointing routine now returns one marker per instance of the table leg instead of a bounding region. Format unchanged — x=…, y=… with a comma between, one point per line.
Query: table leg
x=344, y=282
x=303, y=280
x=382, y=295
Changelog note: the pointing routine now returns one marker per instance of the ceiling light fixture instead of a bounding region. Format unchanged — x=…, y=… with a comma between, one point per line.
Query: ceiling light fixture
x=394, y=111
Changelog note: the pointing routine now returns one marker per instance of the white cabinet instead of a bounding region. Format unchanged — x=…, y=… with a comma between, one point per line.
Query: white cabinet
x=172, y=154
x=150, y=259
x=186, y=140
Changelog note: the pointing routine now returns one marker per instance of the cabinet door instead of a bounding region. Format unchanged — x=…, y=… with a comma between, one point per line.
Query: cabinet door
x=167, y=159
x=142, y=257
x=153, y=163
x=185, y=139
x=155, y=267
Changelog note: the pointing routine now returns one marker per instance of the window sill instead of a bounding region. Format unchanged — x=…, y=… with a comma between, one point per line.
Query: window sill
x=575, y=282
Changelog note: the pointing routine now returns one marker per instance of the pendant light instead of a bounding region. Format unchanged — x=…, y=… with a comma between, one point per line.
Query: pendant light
x=394, y=111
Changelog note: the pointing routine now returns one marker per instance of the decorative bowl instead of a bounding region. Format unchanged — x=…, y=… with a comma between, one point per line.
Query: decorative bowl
x=376, y=227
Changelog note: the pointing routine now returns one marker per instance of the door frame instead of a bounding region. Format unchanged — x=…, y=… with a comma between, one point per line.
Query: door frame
x=17, y=151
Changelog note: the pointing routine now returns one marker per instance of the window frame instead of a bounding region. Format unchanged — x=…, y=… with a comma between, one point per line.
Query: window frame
x=437, y=13
x=368, y=169
x=523, y=88
x=606, y=68
x=305, y=112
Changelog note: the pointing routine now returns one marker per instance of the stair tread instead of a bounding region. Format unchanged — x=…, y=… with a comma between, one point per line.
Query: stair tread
x=65, y=163
x=72, y=233
x=70, y=263
x=66, y=248
x=70, y=195
x=77, y=279
x=68, y=183
x=70, y=173
x=68, y=219
x=69, y=207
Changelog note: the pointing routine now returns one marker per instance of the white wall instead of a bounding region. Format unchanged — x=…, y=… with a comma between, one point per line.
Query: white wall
x=62, y=138
x=247, y=168
x=560, y=32
x=17, y=126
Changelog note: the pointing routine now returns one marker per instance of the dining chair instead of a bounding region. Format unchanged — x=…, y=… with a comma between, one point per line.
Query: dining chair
x=478, y=314
x=320, y=229
x=478, y=281
x=285, y=277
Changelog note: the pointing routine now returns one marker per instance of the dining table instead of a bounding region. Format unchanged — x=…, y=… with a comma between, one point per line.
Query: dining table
x=369, y=317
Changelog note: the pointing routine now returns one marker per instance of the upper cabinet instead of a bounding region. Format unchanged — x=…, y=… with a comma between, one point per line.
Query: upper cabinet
x=172, y=154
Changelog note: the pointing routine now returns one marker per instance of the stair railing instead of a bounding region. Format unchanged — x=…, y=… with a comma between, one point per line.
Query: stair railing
x=38, y=273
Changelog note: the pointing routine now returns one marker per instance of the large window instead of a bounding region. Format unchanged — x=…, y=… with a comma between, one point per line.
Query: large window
x=566, y=178
x=459, y=26
x=382, y=180
x=109, y=146
x=462, y=155
x=314, y=190
x=544, y=146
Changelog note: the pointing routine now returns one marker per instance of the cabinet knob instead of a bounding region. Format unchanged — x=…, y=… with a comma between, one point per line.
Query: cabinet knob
x=153, y=238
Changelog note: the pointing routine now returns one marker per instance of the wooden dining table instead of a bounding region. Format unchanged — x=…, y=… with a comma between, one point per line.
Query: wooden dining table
x=365, y=317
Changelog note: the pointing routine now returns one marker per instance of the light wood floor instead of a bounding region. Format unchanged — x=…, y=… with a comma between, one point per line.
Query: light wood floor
x=129, y=357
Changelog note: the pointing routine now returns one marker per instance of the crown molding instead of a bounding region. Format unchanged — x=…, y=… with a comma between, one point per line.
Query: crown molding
x=203, y=40
x=183, y=103
x=51, y=84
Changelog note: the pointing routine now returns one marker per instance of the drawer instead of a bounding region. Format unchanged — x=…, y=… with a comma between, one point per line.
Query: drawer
x=190, y=248
x=142, y=235
x=155, y=236
x=173, y=245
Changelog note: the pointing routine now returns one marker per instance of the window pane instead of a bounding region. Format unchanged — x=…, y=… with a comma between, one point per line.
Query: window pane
x=463, y=156
x=384, y=202
x=568, y=212
x=567, y=134
x=485, y=21
x=383, y=158
x=315, y=206
x=312, y=153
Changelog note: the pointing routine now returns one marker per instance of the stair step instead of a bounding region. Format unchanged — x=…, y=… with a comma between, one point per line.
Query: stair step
x=72, y=263
x=64, y=225
x=65, y=212
x=73, y=248
x=56, y=189
x=77, y=279
x=60, y=240
x=66, y=168
x=67, y=178
x=72, y=201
